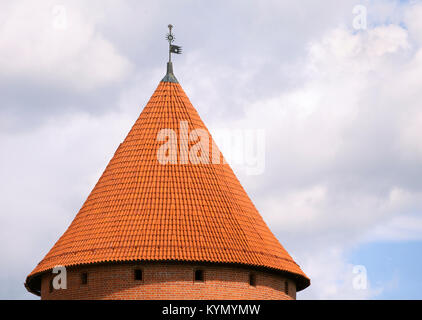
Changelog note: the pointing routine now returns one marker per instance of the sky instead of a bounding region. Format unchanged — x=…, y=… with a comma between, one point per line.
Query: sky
x=339, y=101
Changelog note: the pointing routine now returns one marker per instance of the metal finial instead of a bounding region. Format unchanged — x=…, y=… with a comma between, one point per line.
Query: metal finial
x=170, y=38
x=169, y=77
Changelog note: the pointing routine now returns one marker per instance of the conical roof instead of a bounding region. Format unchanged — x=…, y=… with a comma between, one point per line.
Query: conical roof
x=142, y=210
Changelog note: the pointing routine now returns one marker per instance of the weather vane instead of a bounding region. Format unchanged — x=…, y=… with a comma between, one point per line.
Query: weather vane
x=172, y=48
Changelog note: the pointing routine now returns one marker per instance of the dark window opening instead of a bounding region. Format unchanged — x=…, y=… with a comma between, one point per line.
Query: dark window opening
x=252, y=280
x=199, y=275
x=84, y=278
x=286, y=287
x=51, y=285
x=138, y=275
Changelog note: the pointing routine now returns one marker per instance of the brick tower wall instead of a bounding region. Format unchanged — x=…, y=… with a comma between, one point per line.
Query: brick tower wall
x=168, y=281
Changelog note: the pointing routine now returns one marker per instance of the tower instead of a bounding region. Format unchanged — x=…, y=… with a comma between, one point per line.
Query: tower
x=165, y=223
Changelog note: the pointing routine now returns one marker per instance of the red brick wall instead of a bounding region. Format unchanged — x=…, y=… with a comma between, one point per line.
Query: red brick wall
x=168, y=281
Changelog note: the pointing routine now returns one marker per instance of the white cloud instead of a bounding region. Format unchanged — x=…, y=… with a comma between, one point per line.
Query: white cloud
x=47, y=174
x=400, y=228
x=333, y=278
x=344, y=146
x=44, y=42
x=414, y=23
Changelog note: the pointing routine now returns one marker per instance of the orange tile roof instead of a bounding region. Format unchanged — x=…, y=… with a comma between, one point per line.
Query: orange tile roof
x=143, y=210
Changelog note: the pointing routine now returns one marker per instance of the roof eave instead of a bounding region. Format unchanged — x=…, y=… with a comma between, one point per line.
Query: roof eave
x=33, y=281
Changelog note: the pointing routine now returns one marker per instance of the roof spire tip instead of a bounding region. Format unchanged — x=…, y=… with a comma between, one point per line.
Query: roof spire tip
x=169, y=77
